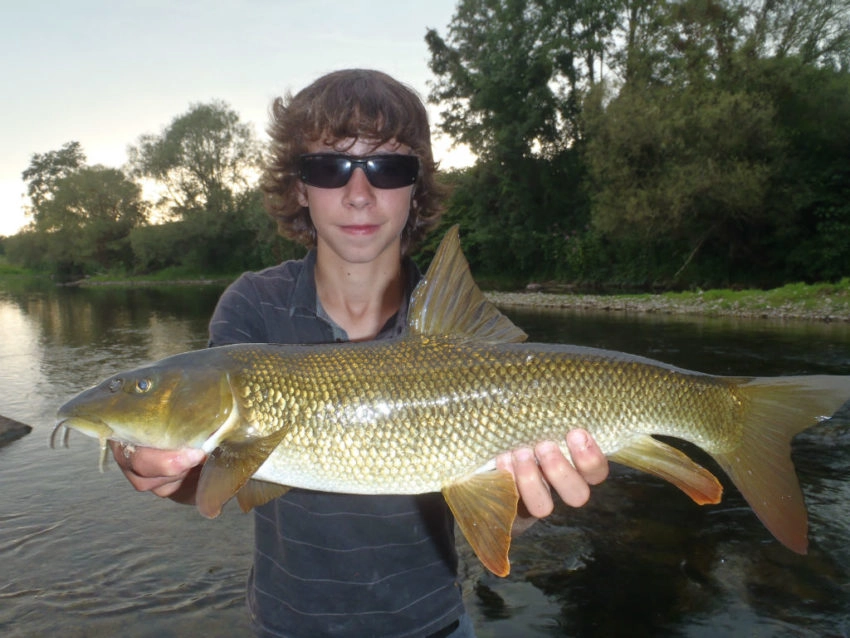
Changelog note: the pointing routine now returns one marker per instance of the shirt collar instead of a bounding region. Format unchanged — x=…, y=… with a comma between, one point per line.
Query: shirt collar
x=304, y=294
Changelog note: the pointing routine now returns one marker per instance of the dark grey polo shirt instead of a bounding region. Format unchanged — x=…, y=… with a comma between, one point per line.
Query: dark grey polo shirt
x=337, y=564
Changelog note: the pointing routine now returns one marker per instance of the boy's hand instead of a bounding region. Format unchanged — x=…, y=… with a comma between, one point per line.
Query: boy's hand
x=166, y=473
x=544, y=467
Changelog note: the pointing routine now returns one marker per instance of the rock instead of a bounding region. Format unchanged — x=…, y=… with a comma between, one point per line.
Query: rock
x=11, y=430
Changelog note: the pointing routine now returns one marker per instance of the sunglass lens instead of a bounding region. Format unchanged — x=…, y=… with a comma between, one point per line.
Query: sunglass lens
x=325, y=171
x=392, y=171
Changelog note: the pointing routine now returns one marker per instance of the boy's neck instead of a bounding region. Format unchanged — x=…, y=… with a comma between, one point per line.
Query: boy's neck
x=360, y=298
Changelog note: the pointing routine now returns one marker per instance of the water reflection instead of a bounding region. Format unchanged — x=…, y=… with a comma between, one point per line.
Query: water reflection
x=83, y=554
x=716, y=345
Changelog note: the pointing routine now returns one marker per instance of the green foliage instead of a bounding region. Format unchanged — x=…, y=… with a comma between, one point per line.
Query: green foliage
x=690, y=166
x=621, y=142
x=510, y=225
x=714, y=150
x=213, y=243
x=509, y=79
x=25, y=249
x=205, y=159
x=159, y=247
x=815, y=32
x=8, y=270
x=46, y=169
x=810, y=189
x=82, y=216
x=510, y=74
x=92, y=219
x=493, y=79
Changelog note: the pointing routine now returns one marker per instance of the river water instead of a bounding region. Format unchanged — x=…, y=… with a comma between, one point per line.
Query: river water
x=82, y=554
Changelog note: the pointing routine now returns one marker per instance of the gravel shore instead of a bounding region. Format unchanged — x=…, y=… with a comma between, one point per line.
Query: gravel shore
x=826, y=309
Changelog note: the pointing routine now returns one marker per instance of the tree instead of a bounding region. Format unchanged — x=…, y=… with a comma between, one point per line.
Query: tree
x=718, y=144
x=493, y=80
x=83, y=215
x=810, y=191
x=638, y=30
x=45, y=170
x=510, y=74
x=702, y=127
x=205, y=158
x=508, y=79
x=692, y=165
x=817, y=32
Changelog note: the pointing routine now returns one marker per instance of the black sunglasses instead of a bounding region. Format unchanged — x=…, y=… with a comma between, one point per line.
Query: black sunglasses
x=331, y=170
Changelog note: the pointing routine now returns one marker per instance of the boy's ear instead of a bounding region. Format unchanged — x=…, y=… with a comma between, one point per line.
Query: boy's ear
x=301, y=189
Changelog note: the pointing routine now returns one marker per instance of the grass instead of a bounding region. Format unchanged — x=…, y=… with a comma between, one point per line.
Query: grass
x=821, y=302
x=7, y=270
x=822, y=298
x=166, y=275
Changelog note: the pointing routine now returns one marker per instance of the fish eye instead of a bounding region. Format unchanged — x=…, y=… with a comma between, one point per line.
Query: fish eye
x=143, y=385
x=116, y=384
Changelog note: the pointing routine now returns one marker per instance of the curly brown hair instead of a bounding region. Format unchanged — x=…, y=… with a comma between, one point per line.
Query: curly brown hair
x=352, y=103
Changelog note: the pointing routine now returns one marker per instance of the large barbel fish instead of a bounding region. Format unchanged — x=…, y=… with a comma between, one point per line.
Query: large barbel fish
x=429, y=411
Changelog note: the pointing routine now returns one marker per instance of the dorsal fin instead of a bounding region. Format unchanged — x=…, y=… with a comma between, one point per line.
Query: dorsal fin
x=448, y=301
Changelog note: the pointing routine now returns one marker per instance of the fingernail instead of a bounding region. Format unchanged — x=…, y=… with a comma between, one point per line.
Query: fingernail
x=580, y=440
x=546, y=447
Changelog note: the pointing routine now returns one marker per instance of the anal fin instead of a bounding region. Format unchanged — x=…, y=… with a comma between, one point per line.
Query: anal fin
x=664, y=461
x=484, y=506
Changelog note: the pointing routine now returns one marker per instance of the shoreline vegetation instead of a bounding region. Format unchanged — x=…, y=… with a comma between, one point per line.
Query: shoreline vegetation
x=823, y=302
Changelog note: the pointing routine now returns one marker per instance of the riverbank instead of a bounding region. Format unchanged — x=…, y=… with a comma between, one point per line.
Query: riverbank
x=808, y=304
x=132, y=283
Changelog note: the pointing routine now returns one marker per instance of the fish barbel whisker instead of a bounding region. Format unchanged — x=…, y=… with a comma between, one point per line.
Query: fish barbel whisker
x=66, y=433
x=65, y=428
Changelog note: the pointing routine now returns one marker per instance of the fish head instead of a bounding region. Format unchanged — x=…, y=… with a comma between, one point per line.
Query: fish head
x=171, y=404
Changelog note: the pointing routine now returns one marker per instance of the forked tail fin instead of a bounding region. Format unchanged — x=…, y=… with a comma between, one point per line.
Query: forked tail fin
x=776, y=409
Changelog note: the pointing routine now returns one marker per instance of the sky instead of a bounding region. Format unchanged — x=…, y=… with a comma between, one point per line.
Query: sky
x=104, y=72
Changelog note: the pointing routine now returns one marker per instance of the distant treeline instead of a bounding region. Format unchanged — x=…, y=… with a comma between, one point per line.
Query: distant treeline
x=632, y=143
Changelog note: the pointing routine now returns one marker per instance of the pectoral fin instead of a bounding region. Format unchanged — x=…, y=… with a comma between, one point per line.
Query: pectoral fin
x=664, y=461
x=255, y=493
x=228, y=469
x=484, y=506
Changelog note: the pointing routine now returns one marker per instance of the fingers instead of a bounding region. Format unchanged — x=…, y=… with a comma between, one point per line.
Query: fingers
x=564, y=478
x=589, y=460
x=531, y=485
x=162, y=472
x=545, y=467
